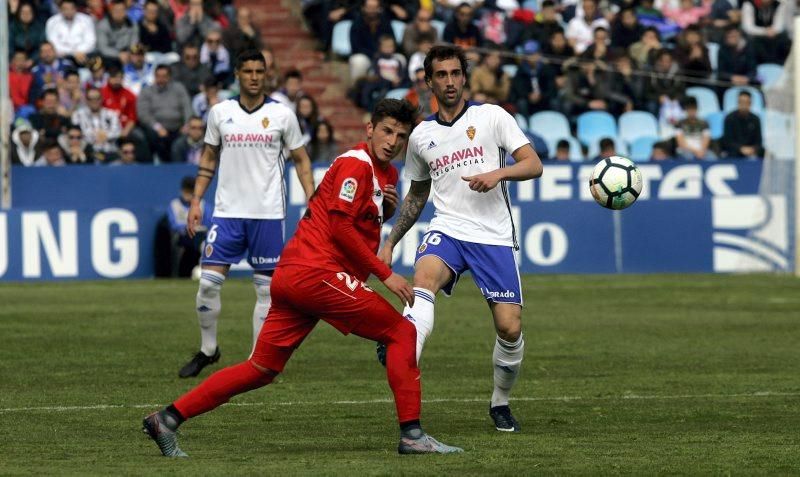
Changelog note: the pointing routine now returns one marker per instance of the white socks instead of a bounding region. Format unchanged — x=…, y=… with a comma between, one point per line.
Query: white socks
x=421, y=314
x=507, y=358
x=263, y=302
x=208, y=308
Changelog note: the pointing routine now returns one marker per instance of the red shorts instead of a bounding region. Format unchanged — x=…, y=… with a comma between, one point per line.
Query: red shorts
x=301, y=296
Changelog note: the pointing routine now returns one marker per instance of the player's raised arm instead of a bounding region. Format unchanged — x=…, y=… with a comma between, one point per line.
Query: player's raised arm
x=302, y=166
x=410, y=211
x=205, y=173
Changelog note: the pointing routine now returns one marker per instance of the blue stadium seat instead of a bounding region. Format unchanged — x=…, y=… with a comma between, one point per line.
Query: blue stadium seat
x=642, y=149
x=399, y=28
x=769, y=74
x=713, y=54
x=550, y=125
x=510, y=70
x=397, y=93
x=636, y=124
x=521, y=121
x=778, y=133
x=531, y=5
x=716, y=123
x=621, y=148
x=595, y=125
x=707, y=101
x=439, y=26
x=340, y=42
x=730, y=99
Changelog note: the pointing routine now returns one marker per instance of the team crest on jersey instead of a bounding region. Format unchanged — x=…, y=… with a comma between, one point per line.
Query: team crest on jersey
x=265, y=123
x=349, y=188
x=471, y=133
x=209, y=250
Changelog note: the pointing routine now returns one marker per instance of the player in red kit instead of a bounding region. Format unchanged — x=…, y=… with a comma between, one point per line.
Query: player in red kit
x=320, y=276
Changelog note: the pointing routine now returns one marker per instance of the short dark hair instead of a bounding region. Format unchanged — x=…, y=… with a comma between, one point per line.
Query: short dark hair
x=689, y=102
x=114, y=70
x=293, y=73
x=250, y=55
x=744, y=92
x=48, y=92
x=606, y=143
x=187, y=183
x=441, y=53
x=562, y=144
x=164, y=67
x=548, y=3
x=51, y=143
x=398, y=109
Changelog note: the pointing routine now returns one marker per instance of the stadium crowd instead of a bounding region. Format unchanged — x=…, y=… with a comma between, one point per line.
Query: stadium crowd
x=127, y=81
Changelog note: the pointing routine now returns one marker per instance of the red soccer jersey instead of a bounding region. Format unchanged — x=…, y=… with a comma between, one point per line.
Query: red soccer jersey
x=353, y=186
x=123, y=101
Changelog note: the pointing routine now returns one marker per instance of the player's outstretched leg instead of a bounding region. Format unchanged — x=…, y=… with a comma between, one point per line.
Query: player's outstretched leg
x=421, y=315
x=209, y=306
x=261, y=283
x=162, y=427
x=507, y=358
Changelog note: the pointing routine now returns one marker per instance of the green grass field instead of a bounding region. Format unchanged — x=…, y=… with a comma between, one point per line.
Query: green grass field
x=623, y=374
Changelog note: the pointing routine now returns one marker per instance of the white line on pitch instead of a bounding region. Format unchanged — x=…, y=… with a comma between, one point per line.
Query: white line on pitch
x=624, y=397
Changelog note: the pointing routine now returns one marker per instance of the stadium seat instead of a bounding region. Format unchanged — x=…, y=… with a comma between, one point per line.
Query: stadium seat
x=521, y=121
x=340, y=42
x=636, y=124
x=642, y=149
x=439, y=26
x=730, y=99
x=595, y=125
x=510, y=70
x=621, y=148
x=707, y=101
x=399, y=28
x=716, y=123
x=550, y=125
x=532, y=5
x=769, y=74
x=713, y=54
x=778, y=133
x=397, y=93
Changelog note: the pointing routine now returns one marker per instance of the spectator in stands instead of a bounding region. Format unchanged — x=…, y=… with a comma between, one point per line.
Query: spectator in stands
x=558, y=48
x=488, y=82
x=368, y=26
x=208, y=97
x=185, y=250
x=25, y=32
x=20, y=83
x=123, y=101
x=461, y=30
x=323, y=146
x=272, y=78
x=742, y=131
x=195, y=25
x=291, y=90
x=687, y=13
x=190, y=72
x=100, y=125
x=663, y=89
x=163, y=109
x=421, y=96
x=660, y=152
x=417, y=60
x=97, y=73
x=189, y=146
x=547, y=22
x=562, y=151
x=116, y=33
x=48, y=120
x=598, y=49
x=724, y=13
x=76, y=149
x=388, y=72
x=52, y=155
x=530, y=89
x=626, y=29
x=580, y=29
x=692, y=54
x=587, y=88
x=308, y=116
x=138, y=73
x=216, y=57
x=70, y=94
x=95, y=9
x=242, y=35
x=71, y=32
x=764, y=21
x=50, y=70
x=154, y=33
x=402, y=10
x=127, y=154
x=420, y=28
x=643, y=51
x=625, y=87
x=607, y=149
x=737, y=60
x=693, y=136
x=24, y=140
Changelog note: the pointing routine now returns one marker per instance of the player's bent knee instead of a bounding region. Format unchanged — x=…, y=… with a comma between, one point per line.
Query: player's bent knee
x=208, y=289
x=510, y=335
x=404, y=331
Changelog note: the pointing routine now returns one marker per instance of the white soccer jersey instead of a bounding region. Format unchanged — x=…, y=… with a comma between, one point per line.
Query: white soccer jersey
x=475, y=142
x=250, y=181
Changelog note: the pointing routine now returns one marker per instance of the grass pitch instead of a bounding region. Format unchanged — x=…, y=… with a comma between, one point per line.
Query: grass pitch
x=622, y=374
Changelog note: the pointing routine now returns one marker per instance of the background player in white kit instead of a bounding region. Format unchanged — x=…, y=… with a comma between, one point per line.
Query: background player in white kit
x=461, y=152
x=246, y=136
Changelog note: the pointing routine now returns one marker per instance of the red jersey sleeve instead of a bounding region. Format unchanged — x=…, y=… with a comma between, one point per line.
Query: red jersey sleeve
x=352, y=181
x=347, y=241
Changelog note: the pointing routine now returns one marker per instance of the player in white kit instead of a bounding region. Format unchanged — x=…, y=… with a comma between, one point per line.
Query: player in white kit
x=246, y=136
x=461, y=152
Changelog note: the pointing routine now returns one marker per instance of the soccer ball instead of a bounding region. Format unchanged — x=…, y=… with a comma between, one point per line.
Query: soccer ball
x=616, y=182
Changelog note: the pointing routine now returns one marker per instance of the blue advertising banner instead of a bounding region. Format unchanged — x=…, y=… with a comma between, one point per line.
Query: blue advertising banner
x=99, y=222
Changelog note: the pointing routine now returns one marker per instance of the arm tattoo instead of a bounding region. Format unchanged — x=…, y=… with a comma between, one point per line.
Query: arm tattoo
x=411, y=209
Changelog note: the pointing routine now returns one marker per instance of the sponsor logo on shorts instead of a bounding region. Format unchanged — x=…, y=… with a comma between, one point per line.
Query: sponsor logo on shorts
x=349, y=188
x=263, y=260
x=499, y=294
x=209, y=250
